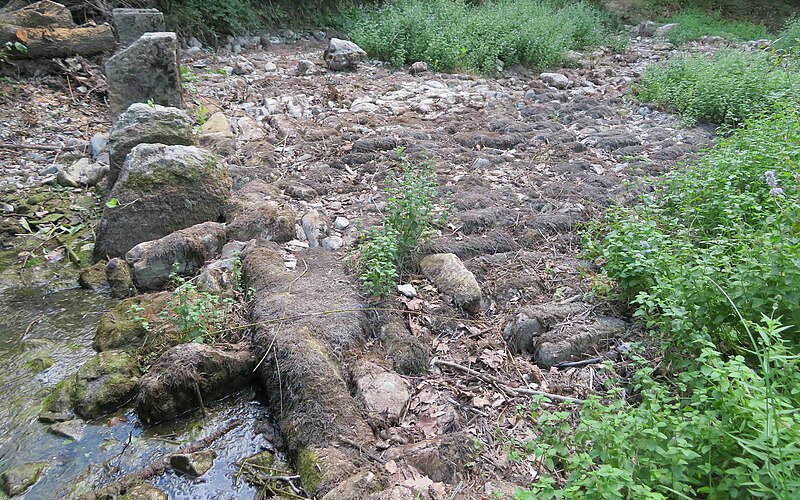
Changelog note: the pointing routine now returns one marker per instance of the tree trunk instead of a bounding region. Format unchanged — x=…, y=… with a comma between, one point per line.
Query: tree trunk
x=58, y=42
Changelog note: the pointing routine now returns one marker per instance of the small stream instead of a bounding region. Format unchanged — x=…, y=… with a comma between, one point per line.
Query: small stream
x=45, y=336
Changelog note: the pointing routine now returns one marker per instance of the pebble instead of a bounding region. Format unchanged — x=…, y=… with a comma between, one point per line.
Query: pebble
x=332, y=243
x=341, y=223
x=408, y=290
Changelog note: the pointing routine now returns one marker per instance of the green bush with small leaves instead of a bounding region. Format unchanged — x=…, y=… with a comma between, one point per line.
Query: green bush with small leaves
x=409, y=219
x=459, y=35
x=726, y=88
x=789, y=39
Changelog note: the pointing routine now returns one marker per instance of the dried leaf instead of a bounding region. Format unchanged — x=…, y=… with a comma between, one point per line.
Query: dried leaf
x=22, y=35
x=391, y=467
x=428, y=425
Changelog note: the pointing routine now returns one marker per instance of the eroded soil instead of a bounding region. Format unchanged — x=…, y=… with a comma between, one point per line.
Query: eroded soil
x=521, y=166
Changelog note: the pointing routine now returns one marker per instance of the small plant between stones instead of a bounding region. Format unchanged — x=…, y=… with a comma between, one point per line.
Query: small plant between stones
x=411, y=216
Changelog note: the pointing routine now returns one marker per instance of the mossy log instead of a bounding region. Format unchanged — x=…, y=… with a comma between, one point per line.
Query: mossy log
x=58, y=42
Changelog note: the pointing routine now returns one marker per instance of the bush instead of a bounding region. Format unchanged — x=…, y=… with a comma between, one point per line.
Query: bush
x=457, y=35
x=720, y=430
x=410, y=217
x=693, y=24
x=789, y=39
x=726, y=88
x=732, y=223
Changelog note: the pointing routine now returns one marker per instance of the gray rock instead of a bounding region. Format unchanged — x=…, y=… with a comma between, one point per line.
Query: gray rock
x=166, y=392
x=306, y=67
x=314, y=227
x=216, y=134
x=343, y=54
x=194, y=42
x=418, y=67
x=51, y=170
x=16, y=480
x=266, y=220
x=250, y=130
x=70, y=429
x=82, y=173
x=383, y=393
x=193, y=53
x=99, y=143
x=120, y=278
x=145, y=71
x=270, y=67
x=451, y=277
x=663, y=46
x=133, y=23
x=481, y=163
x=143, y=124
x=644, y=29
x=184, y=251
x=341, y=223
x=332, y=243
x=556, y=80
x=243, y=66
x=144, y=491
x=195, y=464
x=160, y=190
x=408, y=290
x=665, y=30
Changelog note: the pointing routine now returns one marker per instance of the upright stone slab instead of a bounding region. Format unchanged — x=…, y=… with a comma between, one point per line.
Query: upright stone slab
x=145, y=71
x=133, y=23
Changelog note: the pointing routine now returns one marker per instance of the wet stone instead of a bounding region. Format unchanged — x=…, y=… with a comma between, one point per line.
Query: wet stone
x=16, y=480
x=70, y=429
x=195, y=464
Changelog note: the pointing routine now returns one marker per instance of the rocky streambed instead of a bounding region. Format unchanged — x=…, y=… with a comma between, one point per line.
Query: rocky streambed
x=256, y=194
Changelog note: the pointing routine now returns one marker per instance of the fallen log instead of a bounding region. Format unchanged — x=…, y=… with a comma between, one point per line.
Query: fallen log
x=44, y=14
x=58, y=42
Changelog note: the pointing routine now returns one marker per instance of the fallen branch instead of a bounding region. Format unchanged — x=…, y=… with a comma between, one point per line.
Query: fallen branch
x=575, y=364
x=505, y=388
x=112, y=490
x=37, y=147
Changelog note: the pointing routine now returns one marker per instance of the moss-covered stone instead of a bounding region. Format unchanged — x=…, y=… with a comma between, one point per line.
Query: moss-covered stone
x=308, y=468
x=94, y=277
x=143, y=491
x=39, y=363
x=134, y=325
x=16, y=480
x=104, y=383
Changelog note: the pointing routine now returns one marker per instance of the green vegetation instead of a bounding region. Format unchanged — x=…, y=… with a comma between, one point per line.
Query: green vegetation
x=725, y=88
x=198, y=315
x=788, y=41
x=458, y=35
x=410, y=216
x=710, y=262
x=693, y=24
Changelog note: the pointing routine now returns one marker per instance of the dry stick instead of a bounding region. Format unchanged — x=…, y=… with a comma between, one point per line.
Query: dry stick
x=5, y=145
x=574, y=364
x=162, y=465
x=503, y=387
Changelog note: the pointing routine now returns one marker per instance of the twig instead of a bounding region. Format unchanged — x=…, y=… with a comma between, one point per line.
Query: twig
x=28, y=328
x=38, y=147
x=361, y=450
x=504, y=387
x=573, y=364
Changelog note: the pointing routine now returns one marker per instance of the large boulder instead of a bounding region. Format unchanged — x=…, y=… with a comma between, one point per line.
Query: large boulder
x=451, y=277
x=184, y=251
x=188, y=375
x=104, y=383
x=134, y=325
x=161, y=189
x=143, y=124
x=216, y=135
x=343, y=54
x=146, y=71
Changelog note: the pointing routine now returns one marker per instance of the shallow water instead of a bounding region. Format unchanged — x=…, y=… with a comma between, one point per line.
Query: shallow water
x=59, y=326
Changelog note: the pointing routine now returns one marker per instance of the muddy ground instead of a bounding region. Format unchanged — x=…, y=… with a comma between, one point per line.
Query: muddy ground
x=521, y=167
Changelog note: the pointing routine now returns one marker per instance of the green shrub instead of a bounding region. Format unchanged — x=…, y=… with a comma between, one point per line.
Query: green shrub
x=720, y=430
x=730, y=222
x=410, y=218
x=789, y=39
x=726, y=88
x=693, y=24
x=455, y=34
